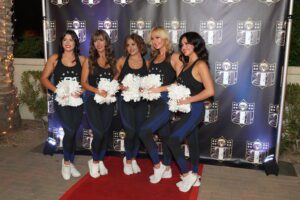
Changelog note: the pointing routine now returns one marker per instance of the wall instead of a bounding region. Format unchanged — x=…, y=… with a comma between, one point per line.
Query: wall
x=25, y=64
x=21, y=65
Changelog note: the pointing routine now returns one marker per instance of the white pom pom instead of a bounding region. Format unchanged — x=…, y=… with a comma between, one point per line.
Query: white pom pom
x=147, y=82
x=65, y=89
x=132, y=82
x=111, y=87
x=178, y=92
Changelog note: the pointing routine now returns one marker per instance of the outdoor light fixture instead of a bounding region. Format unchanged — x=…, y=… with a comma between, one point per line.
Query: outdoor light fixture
x=270, y=165
x=50, y=146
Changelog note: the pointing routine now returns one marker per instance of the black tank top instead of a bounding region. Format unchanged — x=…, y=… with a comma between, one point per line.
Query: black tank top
x=100, y=72
x=128, y=70
x=187, y=79
x=61, y=71
x=165, y=70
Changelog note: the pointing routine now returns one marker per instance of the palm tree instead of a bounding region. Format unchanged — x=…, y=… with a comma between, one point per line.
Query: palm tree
x=9, y=113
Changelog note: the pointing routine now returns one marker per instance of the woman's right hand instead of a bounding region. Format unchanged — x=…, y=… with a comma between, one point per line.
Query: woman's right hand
x=102, y=93
x=123, y=88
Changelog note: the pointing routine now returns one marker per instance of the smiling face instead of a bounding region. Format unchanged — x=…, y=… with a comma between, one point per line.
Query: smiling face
x=132, y=47
x=68, y=43
x=157, y=41
x=99, y=44
x=186, y=48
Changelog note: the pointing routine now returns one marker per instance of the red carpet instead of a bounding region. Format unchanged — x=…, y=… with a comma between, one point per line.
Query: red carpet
x=117, y=186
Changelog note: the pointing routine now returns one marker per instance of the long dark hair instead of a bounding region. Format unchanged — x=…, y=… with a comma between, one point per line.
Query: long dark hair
x=198, y=42
x=93, y=53
x=139, y=42
x=76, y=48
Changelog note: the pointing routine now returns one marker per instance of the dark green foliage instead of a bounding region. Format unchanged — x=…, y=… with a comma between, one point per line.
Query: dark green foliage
x=33, y=94
x=29, y=47
x=295, y=40
x=291, y=119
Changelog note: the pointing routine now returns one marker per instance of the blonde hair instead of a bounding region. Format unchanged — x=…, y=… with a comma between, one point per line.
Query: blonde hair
x=162, y=32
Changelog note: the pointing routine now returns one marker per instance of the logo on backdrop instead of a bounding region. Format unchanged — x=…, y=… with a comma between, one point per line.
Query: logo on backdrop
x=226, y=73
x=280, y=33
x=51, y=31
x=60, y=3
x=185, y=149
x=230, y=2
x=211, y=112
x=123, y=2
x=141, y=27
x=159, y=144
x=273, y=115
x=110, y=27
x=221, y=148
x=87, y=138
x=119, y=140
x=211, y=31
x=256, y=151
x=58, y=135
x=175, y=28
x=269, y=2
x=248, y=32
x=79, y=27
x=157, y=2
x=193, y=2
x=91, y=3
x=242, y=113
x=263, y=74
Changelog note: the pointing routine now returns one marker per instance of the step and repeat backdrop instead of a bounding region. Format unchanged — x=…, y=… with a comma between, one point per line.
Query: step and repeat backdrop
x=246, y=43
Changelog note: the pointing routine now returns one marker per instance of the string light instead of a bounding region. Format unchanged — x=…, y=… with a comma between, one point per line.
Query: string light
x=8, y=93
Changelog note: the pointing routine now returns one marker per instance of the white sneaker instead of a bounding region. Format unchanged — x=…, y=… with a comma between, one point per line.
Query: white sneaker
x=74, y=171
x=187, y=182
x=167, y=174
x=127, y=169
x=65, y=170
x=196, y=184
x=103, y=170
x=94, y=169
x=135, y=167
x=158, y=172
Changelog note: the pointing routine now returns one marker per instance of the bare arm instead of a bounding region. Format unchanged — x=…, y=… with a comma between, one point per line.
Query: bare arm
x=119, y=67
x=82, y=59
x=205, y=76
x=47, y=71
x=176, y=63
x=84, y=77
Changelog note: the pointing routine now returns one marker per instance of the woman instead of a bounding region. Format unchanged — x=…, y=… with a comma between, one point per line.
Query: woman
x=132, y=113
x=162, y=63
x=195, y=75
x=100, y=64
x=64, y=65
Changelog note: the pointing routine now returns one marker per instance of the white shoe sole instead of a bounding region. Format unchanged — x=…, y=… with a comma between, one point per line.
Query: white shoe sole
x=158, y=176
x=188, y=182
x=127, y=168
x=196, y=184
x=103, y=170
x=135, y=167
x=166, y=174
x=74, y=172
x=94, y=175
x=66, y=173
